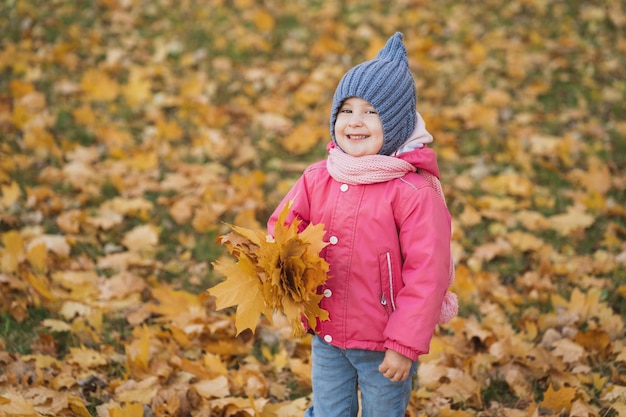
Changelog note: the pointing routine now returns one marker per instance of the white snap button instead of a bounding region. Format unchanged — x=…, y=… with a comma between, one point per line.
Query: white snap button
x=344, y=187
x=327, y=292
x=333, y=240
x=328, y=338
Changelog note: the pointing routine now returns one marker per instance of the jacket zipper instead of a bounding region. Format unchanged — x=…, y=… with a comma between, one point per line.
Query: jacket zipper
x=393, y=302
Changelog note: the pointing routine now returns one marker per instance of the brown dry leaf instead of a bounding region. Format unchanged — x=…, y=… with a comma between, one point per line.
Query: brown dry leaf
x=115, y=138
x=568, y=350
x=120, y=286
x=597, y=179
x=105, y=219
x=142, y=391
x=48, y=401
x=13, y=404
x=574, y=219
x=70, y=221
x=182, y=309
x=532, y=220
x=461, y=388
x=470, y=216
x=597, y=341
x=182, y=210
x=123, y=261
x=517, y=378
x=82, y=285
x=213, y=388
x=525, y=241
x=53, y=243
x=56, y=325
x=86, y=358
x=488, y=251
x=142, y=239
x=581, y=408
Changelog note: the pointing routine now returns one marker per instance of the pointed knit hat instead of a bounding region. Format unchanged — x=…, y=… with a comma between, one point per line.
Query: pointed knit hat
x=387, y=84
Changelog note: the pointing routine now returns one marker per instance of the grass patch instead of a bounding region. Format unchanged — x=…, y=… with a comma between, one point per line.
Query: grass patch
x=116, y=331
x=20, y=337
x=499, y=391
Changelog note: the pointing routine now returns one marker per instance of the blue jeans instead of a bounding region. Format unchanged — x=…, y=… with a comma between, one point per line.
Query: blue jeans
x=337, y=375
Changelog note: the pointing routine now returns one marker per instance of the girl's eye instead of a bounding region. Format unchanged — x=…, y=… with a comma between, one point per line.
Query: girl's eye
x=371, y=112
x=345, y=111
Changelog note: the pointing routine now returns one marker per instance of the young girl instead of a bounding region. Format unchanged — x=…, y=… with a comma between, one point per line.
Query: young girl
x=379, y=198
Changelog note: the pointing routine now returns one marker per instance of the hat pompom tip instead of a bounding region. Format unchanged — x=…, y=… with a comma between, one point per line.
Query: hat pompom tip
x=449, y=308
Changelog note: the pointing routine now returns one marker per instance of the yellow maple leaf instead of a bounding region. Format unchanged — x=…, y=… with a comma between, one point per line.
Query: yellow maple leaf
x=37, y=256
x=303, y=139
x=137, y=90
x=84, y=115
x=98, y=86
x=13, y=252
x=273, y=274
x=559, y=400
x=126, y=410
x=263, y=20
x=77, y=406
x=9, y=194
x=138, y=352
x=240, y=289
x=38, y=282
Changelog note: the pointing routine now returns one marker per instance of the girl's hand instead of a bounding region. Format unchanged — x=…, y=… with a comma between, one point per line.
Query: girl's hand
x=395, y=367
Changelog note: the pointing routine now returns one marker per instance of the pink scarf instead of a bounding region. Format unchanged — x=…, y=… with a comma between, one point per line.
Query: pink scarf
x=370, y=169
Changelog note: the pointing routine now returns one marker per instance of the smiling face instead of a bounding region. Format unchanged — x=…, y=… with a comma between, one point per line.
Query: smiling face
x=358, y=129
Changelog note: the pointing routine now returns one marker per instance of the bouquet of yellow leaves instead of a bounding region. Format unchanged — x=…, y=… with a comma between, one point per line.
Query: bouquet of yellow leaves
x=279, y=274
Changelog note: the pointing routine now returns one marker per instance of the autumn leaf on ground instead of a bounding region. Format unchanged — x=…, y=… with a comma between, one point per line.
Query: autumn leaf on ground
x=280, y=274
x=559, y=400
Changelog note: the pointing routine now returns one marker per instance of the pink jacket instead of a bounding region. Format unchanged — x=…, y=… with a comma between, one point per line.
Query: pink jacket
x=389, y=256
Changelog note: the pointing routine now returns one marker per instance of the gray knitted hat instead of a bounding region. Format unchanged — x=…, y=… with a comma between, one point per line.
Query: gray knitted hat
x=387, y=84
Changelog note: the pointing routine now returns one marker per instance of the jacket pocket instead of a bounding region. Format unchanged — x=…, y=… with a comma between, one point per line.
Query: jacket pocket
x=387, y=299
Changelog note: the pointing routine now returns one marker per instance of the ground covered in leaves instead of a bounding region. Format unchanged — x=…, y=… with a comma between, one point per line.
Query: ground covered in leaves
x=131, y=130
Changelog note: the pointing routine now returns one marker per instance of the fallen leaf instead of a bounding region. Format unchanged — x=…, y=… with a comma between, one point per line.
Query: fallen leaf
x=574, y=219
x=559, y=400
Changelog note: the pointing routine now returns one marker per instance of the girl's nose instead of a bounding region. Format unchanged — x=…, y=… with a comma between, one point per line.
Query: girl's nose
x=355, y=120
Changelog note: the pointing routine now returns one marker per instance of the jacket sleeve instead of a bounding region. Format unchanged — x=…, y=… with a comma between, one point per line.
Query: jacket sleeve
x=300, y=208
x=424, y=234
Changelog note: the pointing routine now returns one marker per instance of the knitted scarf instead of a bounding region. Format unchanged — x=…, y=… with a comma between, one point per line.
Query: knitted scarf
x=370, y=169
